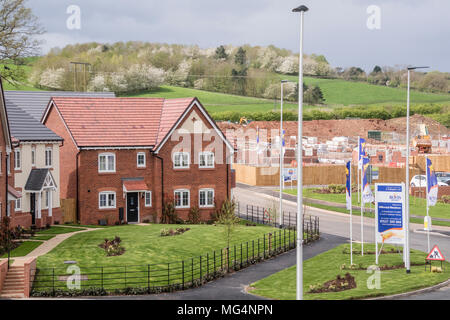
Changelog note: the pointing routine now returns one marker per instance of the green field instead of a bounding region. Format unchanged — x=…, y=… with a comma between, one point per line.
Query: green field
x=342, y=92
x=327, y=266
x=219, y=102
x=417, y=205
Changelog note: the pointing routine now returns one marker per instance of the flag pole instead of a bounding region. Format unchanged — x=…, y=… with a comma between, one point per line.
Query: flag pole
x=362, y=210
x=359, y=160
x=428, y=207
x=351, y=222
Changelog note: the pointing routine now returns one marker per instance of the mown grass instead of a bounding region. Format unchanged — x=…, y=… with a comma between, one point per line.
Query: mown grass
x=219, y=102
x=23, y=249
x=58, y=230
x=143, y=245
x=327, y=266
x=417, y=205
x=342, y=92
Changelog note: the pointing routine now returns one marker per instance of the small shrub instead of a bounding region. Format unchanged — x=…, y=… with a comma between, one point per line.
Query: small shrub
x=112, y=247
x=194, y=215
x=172, y=232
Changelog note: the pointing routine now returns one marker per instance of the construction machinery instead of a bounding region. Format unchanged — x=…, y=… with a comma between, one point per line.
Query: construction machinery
x=422, y=141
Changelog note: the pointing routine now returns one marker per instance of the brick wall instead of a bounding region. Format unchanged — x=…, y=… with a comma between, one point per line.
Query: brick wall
x=92, y=182
x=421, y=191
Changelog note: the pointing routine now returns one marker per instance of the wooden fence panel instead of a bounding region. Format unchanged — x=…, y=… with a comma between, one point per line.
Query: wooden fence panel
x=69, y=209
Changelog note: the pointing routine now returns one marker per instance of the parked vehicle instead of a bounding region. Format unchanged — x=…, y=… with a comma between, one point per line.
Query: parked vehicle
x=443, y=177
x=420, y=180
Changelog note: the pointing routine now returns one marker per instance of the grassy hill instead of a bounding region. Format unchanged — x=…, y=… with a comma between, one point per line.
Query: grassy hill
x=342, y=92
x=219, y=102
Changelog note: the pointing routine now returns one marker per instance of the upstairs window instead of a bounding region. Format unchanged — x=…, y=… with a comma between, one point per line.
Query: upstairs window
x=33, y=156
x=141, y=159
x=206, y=159
x=107, y=162
x=48, y=157
x=180, y=160
x=17, y=159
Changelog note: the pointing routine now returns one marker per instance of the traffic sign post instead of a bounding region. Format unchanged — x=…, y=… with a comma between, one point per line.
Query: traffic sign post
x=434, y=255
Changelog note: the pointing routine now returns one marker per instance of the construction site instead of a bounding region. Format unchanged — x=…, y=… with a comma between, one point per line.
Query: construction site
x=330, y=143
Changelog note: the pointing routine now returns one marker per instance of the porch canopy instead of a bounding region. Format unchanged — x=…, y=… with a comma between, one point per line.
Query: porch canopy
x=134, y=186
x=40, y=179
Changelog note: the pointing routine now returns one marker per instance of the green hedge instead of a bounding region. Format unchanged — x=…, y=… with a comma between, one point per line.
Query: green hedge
x=437, y=112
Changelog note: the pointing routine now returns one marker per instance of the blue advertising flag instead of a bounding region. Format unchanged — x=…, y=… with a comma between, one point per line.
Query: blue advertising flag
x=367, y=195
x=432, y=184
x=348, y=187
x=284, y=143
x=361, y=151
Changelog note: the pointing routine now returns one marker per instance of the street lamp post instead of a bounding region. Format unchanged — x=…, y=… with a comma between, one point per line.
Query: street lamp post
x=407, y=255
x=280, y=222
x=302, y=9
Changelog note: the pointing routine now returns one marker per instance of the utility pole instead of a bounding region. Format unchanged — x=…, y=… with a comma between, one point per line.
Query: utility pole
x=75, y=71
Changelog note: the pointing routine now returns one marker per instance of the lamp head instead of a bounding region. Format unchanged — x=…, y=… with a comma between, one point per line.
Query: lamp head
x=302, y=8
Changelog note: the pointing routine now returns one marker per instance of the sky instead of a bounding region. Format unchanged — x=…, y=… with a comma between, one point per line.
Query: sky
x=401, y=33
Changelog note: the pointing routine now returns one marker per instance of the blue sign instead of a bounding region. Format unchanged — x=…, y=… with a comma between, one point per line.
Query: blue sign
x=390, y=213
x=389, y=216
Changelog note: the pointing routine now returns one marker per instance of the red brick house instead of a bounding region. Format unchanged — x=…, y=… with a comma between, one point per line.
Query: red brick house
x=122, y=158
x=7, y=193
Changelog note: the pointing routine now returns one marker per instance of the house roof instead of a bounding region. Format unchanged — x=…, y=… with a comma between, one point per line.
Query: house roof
x=108, y=122
x=37, y=178
x=24, y=127
x=13, y=193
x=35, y=102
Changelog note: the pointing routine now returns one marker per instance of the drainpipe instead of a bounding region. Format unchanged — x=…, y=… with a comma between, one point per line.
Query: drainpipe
x=78, y=201
x=162, y=178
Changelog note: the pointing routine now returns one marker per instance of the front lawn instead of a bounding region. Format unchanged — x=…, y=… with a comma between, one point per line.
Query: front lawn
x=327, y=266
x=152, y=260
x=58, y=230
x=23, y=249
x=143, y=244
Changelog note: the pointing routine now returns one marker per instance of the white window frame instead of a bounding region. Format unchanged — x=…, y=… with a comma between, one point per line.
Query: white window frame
x=47, y=198
x=18, y=204
x=33, y=156
x=107, y=155
x=145, y=198
x=182, y=191
x=206, y=154
x=107, y=194
x=206, y=205
x=175, y=154
x=137, y=160
x=47, y=164
x=8, y=163
x=17, y=159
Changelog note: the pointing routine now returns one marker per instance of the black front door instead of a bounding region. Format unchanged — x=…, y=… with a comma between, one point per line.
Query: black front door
x=132, y=207
x=33, y=208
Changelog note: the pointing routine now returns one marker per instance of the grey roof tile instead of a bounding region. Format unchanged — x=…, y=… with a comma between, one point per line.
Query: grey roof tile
x=35, y=102
x=24, y=127
x=36, y=179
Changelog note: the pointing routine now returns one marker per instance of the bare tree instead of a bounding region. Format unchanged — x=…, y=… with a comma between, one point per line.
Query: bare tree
x=18, y=28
